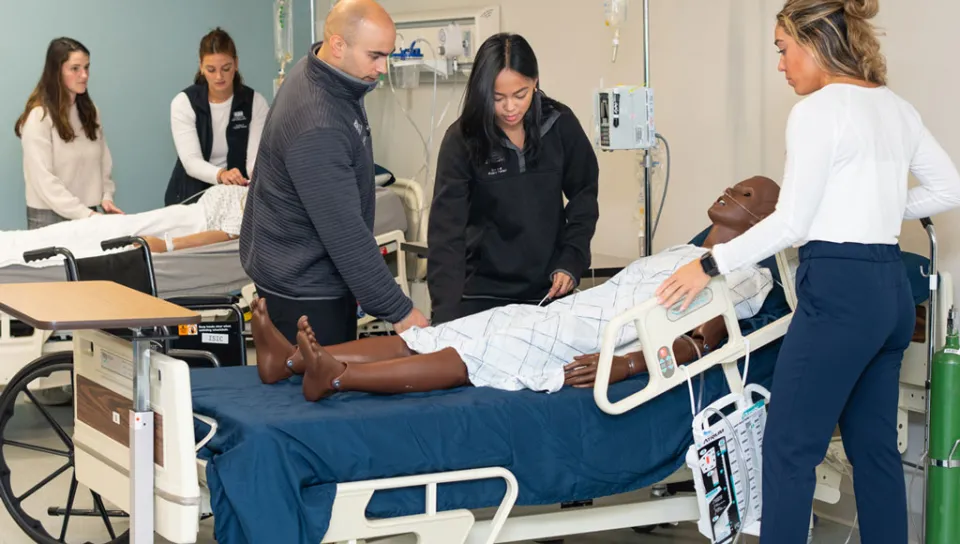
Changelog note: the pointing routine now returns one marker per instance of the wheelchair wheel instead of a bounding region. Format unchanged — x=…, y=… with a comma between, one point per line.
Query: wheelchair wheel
x=16, y=440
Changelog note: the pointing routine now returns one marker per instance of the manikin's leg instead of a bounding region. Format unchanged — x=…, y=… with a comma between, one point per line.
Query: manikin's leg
x=278, y=360
x=415, y=373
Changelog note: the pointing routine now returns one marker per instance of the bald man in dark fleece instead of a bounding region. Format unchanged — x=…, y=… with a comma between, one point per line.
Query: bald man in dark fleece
x=307, y=237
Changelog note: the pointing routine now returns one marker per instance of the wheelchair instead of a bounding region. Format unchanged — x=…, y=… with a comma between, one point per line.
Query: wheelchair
x=217, y=341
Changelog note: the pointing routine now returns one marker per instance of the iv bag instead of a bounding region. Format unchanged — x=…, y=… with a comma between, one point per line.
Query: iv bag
x=615, y=13
x=283, y=31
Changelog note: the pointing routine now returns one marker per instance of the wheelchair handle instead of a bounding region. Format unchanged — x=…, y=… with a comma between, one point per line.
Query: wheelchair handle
x=40, y=254
x=117, y=243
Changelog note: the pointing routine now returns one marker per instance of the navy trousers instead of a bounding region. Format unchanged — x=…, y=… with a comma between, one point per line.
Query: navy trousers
x=840, y=363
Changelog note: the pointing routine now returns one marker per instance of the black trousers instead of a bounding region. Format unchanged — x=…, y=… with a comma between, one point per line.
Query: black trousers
x=334, y=321
x=840, y=362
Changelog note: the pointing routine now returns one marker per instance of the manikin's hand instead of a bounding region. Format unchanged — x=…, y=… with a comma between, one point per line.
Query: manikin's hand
x=109, y=207
x=686, y=282
x=157, y=245
x=232, y=177
x=582, y=372
x=562, y=284
x=414, y=319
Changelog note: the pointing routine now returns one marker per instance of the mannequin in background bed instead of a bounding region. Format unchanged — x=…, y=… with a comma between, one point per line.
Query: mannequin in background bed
x=522, y=346
x=216, y=123
x=216, y=217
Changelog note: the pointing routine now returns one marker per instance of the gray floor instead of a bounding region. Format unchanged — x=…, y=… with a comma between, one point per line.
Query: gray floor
x=29, y=467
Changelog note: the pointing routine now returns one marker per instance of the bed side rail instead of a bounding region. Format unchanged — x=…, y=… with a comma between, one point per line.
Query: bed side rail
x=348, y=521
x=657, y=328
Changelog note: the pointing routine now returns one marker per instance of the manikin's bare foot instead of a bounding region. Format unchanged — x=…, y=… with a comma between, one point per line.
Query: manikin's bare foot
x=273, y=349
x=321, y=367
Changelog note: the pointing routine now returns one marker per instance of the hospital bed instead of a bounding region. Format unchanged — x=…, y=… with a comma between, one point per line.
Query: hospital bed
x=467, y=465
x=203, y=271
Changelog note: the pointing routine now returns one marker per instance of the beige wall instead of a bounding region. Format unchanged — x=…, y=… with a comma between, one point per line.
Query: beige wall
x=720, y=100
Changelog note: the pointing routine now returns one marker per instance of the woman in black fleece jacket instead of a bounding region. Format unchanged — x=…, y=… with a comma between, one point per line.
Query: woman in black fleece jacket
x=499, y=230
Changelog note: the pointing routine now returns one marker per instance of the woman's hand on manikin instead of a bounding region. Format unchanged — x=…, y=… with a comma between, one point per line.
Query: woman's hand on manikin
x=686, y=283
x=232, y=177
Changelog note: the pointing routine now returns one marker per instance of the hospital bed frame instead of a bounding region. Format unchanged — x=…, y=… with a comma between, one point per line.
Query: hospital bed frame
x=181, y=495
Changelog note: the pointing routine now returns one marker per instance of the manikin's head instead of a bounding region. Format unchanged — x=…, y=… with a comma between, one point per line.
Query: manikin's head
x=823, y=41
x=358, y=37
x=744, y=205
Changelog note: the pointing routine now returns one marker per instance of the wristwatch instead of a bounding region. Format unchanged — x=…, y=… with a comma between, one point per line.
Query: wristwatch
x=709, y=265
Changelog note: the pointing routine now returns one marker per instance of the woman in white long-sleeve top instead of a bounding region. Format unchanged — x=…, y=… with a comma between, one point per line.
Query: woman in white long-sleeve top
x=851, y=144
x=216, y=123
x=66, y=163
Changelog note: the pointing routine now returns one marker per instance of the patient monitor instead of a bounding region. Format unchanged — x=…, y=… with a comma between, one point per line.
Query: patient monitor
x=625, y=118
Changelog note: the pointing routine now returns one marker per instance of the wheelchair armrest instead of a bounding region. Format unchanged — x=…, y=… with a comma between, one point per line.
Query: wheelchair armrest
x=195, y=354
x=204, y=300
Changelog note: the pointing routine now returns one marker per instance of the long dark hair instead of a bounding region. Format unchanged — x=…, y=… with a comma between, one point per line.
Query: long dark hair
x=215, y=42
x=51, y=94
x=478, y=121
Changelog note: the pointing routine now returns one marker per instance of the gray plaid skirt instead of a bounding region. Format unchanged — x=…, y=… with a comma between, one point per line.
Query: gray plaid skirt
x=37, y=218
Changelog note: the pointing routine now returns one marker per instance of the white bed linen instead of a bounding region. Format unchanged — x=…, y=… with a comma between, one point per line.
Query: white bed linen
x=83, y=236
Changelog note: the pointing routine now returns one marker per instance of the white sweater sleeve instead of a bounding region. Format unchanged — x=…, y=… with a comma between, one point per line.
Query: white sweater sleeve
x=260, y=110
x=183, y=123
x=37, y=141
x=939, y=188
x=811, y=145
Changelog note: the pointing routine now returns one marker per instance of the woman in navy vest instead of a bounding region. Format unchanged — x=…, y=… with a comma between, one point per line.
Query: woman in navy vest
x=216, y=123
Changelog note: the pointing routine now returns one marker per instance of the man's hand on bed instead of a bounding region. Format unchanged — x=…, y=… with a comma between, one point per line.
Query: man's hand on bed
x=414, y=319
x=582, y=372
x=109, y=207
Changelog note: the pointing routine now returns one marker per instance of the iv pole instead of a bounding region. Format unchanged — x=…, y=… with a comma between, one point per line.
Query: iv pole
x=647, y=156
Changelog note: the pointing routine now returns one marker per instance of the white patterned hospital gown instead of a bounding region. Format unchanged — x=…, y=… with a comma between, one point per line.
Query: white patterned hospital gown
x=219, y=208
x=525, y=346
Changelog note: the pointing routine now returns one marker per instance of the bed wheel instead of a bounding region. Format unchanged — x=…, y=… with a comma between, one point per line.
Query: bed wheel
x=17, y=491
x=644, y=530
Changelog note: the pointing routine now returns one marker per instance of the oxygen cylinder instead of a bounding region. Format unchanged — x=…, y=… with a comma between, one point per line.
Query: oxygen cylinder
x=943, y=480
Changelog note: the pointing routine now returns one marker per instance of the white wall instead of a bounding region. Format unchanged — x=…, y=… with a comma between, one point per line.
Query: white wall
x=720, y=100
x=706, y=73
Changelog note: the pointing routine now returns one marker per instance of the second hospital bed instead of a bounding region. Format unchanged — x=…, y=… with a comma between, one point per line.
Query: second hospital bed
x=203, y=271
x=214, y=269
x=273, y=468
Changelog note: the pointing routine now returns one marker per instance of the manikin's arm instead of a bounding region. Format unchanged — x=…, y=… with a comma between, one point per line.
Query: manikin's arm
x=583, y=371
x=210, y=237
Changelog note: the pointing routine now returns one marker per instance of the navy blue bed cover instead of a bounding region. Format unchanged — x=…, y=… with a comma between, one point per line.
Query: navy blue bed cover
x=276, y=459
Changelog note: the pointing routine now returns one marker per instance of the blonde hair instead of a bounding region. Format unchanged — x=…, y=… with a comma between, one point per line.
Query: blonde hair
x=839, y=34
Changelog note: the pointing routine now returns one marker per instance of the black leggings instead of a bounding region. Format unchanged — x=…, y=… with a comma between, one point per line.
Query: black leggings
x=334, y=321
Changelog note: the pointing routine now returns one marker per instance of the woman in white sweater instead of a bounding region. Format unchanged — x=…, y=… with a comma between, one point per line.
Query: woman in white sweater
x=66, y=162
x=851, y=143
x=216, y=123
